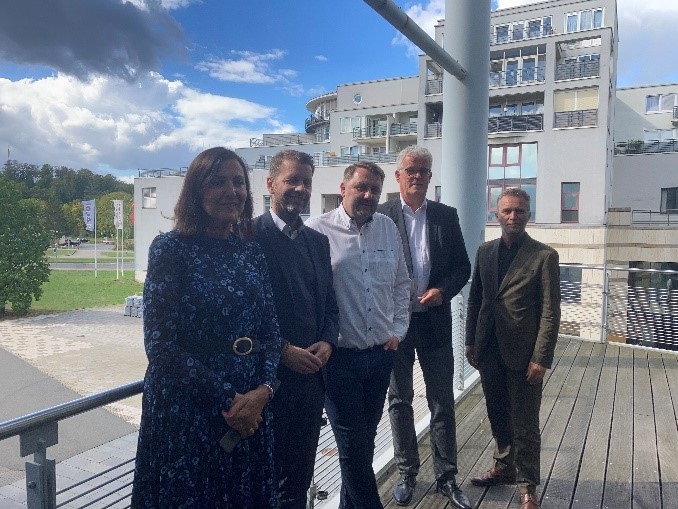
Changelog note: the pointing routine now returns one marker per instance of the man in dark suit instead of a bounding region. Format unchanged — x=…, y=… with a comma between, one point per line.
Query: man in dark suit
x=301, y=276
x=511, y=331
x=439, y=268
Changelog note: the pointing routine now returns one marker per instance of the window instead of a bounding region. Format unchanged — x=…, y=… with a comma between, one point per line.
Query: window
x=267, y=202
x=584, y=20
x=503, y=33
x=569, y=202
x=511, y=165
x=650, y=135
x=348, y=124
x=669, y=201
x=660, y=103
x=438, y=193
x=575, y=108
x=330, y=202
x=570, y=283
x=148, y=198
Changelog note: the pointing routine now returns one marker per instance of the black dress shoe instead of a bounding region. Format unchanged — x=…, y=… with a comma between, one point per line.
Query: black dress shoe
x=404, y=489
x=454, y=493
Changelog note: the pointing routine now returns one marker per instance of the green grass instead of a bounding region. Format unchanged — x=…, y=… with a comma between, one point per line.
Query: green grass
x=79, y=289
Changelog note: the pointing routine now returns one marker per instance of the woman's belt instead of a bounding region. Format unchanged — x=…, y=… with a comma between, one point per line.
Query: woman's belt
x=239, y=346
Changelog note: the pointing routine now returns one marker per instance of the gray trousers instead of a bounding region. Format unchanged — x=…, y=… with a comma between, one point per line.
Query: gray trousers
x=437, y=365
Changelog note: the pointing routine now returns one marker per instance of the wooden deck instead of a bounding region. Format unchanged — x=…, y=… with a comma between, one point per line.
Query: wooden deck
x=609, y=435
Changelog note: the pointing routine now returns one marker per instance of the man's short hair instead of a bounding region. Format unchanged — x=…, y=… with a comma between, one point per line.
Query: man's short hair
x=516, y=192
x=373, y=168
x=289, y=155
x=415, y=152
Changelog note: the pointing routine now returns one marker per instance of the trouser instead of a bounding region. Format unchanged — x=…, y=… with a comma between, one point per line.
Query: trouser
x=513, y=410
x=356, y=390
x=297, y=415
x=437, y=365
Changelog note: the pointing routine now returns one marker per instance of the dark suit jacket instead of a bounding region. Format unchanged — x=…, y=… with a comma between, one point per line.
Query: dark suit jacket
x=524, y=311
x=277, y=257
x=450, y=265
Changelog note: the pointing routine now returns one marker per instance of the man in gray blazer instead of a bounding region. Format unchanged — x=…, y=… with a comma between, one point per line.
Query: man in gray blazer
x=439, y=266
x=512, y=326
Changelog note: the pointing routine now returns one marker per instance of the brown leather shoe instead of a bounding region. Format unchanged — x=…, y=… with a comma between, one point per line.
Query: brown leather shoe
x=529, y=501
x=495, y=476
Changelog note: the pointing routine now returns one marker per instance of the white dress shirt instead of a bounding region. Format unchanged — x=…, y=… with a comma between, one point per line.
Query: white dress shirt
x=417, y=234
x=370, y=278
x=284, y=227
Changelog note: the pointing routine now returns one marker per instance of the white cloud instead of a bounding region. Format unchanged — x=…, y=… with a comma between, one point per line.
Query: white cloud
x=426, y=17
x=249, y=68
x=109, y=123
x=321, y=58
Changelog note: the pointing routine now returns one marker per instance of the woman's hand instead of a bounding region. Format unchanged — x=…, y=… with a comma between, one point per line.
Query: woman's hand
x=244, y=416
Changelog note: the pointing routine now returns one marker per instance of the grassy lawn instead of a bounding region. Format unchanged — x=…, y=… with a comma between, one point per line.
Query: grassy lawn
x=78, y=289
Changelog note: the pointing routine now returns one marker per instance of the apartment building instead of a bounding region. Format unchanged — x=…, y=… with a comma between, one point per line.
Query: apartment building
x=554, y=115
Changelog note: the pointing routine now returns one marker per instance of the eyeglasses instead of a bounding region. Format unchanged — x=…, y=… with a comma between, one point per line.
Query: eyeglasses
x=419, y=172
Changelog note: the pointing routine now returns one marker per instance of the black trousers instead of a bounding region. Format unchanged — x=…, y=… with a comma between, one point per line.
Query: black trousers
x=356, y=391
x=297, y=415
x=437, y=365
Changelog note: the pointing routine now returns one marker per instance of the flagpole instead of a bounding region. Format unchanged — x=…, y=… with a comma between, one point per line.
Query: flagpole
x=122, y=239
x=95, y=238
x=117, y=254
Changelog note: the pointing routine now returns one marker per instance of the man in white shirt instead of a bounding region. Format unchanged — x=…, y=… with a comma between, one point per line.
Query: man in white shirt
x=437, y=260
x=372, y=287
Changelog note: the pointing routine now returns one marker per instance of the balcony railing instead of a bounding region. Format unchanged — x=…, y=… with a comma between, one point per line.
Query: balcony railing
x=579, y=118
x=513, y=77
x=408, y=128
x=313, y=121
x=515, y=123
x=654, y=217
x=274, y=140
x=675, y=112
x=381, y=130
x=516, y=34
x=328, y=160
x=575, y=70
x=434, y=87
x=645, y=147
x=434, y=130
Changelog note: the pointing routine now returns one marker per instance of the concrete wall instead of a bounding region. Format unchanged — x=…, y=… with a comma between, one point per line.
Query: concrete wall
x=639, y=178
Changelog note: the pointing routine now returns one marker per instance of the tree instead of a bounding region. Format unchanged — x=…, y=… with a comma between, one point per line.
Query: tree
x=105, y=214
x=23, y=239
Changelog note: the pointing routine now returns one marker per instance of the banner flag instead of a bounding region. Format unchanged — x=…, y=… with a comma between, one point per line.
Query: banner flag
x=117, y=219
x=88, y=214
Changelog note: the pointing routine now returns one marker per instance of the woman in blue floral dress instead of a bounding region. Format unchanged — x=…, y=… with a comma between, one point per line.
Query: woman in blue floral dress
x=206, y=287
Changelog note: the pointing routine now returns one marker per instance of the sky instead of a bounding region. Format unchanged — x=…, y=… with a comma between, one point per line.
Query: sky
x=117, y=86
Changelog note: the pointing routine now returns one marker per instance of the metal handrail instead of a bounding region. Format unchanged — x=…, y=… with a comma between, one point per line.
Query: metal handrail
x=63, y=411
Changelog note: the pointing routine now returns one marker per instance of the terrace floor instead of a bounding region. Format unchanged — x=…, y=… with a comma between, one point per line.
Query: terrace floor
x=609, y=435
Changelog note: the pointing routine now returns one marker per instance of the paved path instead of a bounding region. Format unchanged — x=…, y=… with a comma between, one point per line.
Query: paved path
x=51, y=359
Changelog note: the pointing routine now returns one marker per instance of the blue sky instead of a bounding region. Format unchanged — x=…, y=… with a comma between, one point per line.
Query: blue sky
x=114, y=87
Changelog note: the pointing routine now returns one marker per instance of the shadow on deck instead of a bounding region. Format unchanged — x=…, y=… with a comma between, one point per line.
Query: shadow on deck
x=609, y=435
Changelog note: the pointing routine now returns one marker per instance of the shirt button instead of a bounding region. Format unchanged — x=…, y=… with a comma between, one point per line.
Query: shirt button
x=368, y=289
x=365, y=270
x=369, y=328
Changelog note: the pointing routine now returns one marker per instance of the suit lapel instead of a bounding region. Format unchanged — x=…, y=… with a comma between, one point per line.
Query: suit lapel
x=271, y=237
x=522, y=258
x=399, y=217
x=494, y=267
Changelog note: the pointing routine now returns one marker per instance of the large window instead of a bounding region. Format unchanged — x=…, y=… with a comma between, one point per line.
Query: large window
x=584, y=20
x=350, y=123
x=569, y=202
x=660, y=103
x=148, y=198
x=511, y=165
x=669, y=201
x=519, y=30
x=575, y=108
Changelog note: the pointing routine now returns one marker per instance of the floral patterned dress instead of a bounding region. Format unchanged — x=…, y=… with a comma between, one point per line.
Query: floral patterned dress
x=203, y=291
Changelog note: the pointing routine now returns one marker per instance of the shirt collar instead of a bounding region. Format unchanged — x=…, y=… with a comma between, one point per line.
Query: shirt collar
x=346, y=220
x=280, y=224
x=408, y=209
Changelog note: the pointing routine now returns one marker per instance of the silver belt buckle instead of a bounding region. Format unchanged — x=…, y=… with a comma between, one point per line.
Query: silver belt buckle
x=243, y=346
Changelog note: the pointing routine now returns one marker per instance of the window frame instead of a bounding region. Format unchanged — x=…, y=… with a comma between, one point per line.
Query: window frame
x=149, y=200
x=567, y=209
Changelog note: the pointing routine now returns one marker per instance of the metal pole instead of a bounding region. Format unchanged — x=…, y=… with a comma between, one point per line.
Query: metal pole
x=464, y=123
x=404, y=24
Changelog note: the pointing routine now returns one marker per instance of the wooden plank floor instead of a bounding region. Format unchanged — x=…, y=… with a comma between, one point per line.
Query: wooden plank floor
x=609, y=435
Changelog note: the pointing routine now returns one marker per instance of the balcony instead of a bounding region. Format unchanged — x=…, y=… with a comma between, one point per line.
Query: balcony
x=576, y=70
x=513, y=77
x=645, y=147
x=516, y=34
x=675, y=115
x=433, y=130
x=579, y=118
x=434, y=87
x=603, y=404
x=515, y=123
x=313, y=121
x=409, y=128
